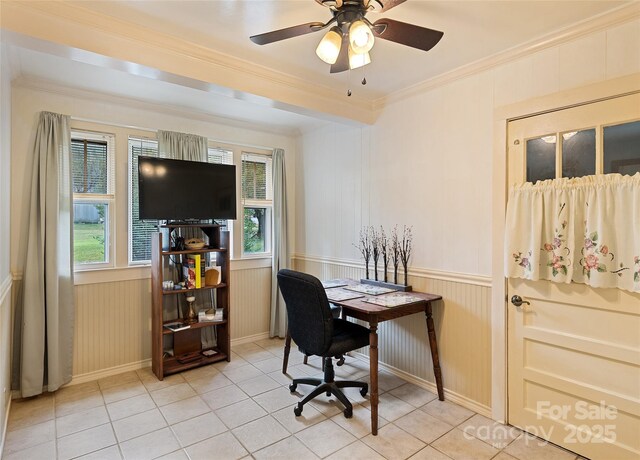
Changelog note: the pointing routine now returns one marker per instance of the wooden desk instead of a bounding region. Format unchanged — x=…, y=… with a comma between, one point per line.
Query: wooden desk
x=374, y=314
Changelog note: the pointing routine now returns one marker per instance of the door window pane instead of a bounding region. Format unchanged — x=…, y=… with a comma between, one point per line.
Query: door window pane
x=579, y=153
x=541, y=158
x=90, y=232
x=622, y=148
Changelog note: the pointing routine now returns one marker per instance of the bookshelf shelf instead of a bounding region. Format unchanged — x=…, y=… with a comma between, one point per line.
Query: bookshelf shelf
x=203, y=288
x=193, y=326
x=169, y=347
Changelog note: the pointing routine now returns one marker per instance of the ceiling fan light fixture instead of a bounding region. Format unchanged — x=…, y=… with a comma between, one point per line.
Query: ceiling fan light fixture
x=357, y=60
x=329, y=47
x=361, y=37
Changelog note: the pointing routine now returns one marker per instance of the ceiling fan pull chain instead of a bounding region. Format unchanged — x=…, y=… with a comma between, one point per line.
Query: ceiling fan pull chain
x=349, y=84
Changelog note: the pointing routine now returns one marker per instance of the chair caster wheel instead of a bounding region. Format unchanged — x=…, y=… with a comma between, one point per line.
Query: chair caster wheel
x=363, y=390
x=298, y=411
x=293, y=387
x=348, y=413
x=340, y=362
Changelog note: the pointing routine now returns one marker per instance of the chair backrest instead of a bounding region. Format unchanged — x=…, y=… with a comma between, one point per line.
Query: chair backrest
x=309, y=316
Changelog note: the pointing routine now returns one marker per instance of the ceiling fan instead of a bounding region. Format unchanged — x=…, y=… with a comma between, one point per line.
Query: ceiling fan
x=347, y=44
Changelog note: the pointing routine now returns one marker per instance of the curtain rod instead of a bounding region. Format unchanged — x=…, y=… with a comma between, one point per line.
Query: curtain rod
x=120, y=125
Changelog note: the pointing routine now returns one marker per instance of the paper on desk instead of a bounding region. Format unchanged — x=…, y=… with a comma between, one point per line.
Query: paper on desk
x=393, y=300
x=339, y=295
x=334, y=283
x=369, y=289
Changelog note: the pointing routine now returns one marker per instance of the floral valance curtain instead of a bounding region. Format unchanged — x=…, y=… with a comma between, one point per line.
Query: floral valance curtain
x=582, y=230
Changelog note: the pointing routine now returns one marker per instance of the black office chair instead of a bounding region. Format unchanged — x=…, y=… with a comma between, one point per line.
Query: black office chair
x=313, y=328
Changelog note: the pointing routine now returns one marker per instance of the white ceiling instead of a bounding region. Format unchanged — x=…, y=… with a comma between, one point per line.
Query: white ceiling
x=474, y=30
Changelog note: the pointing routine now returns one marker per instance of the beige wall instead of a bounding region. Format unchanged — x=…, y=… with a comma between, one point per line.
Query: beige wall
x=5, y=274
x=427, y=162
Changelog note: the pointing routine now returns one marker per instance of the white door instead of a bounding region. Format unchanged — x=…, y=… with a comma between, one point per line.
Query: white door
x=573, y=350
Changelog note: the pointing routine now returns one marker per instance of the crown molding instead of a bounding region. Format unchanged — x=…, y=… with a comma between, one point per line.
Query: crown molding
x=79, y=28
x=36, y=84
x=624, y=13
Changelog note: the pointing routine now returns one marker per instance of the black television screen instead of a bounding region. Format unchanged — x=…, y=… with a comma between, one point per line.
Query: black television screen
x=181, y=190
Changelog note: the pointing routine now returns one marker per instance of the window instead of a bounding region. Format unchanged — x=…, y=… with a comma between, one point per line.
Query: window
x=92, y=171
x=139, y=231
x=257, y=196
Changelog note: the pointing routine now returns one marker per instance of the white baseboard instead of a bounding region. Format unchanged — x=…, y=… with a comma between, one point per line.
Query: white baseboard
x=4, y=428
x=250, y=338
x=449, y=395
x=102, y=373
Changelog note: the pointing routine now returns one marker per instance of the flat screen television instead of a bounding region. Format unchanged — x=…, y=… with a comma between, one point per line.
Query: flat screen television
x=185, y=190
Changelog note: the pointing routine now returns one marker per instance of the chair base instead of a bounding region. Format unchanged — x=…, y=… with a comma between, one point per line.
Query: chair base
x=329, y=386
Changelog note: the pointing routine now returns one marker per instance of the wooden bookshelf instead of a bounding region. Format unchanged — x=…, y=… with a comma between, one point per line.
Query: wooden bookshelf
x=187, y=342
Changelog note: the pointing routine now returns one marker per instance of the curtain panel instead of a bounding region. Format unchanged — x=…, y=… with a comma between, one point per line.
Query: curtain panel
x=581, y=230
x=44, y=316
x=280, y=250
x=180, y=146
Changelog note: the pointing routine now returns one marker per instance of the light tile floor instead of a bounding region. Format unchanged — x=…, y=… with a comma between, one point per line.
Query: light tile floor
x=243, y=409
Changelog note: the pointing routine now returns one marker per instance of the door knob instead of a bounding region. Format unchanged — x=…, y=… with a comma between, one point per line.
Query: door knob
x=517, y=301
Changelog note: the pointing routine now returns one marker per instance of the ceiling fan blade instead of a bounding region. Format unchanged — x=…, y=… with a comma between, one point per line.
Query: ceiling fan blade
x=342, y=63
x=406, y=34
x=380, y=6
x=289, y=32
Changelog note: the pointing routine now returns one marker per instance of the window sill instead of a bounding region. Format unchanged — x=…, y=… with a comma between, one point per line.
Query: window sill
x=250, y=263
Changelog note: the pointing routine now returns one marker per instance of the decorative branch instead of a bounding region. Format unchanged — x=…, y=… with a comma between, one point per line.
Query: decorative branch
x=384, y=249
x=395, y=253
x=364, y=246
x=375, y=249
x=405, y=251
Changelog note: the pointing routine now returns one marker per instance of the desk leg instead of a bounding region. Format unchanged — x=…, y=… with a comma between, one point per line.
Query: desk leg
x=287, y=348
x=373, y=374
x=433, y=344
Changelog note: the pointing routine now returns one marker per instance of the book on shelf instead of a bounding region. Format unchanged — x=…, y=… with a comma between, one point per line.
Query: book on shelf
x=195, y=262
x=189, y=273
x=176, y=326
x=200, y=261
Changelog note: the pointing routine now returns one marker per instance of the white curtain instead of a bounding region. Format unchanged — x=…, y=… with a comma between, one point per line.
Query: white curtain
x=43, y=339
x=280, y=250
x=180, y=146
x=582, y=230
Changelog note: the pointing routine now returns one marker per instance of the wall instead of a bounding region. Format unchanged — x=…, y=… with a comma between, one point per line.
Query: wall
x=5, y=274
x=427, y=162
x=112, y=330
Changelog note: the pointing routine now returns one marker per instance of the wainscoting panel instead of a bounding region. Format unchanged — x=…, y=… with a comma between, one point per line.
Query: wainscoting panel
x=113, y=325
x=250, y=302
x=463, y=328
x=113, y=320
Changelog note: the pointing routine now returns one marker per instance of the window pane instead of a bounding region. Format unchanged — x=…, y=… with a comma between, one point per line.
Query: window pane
x=622, y=148
x=579, y=153
x=254, y=180
x=255, y=230
x=89, y=166
x=541, y=158
x=140, y=231
x=90, y=232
